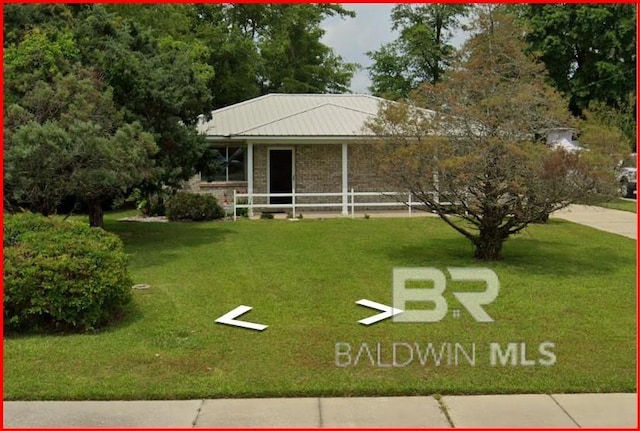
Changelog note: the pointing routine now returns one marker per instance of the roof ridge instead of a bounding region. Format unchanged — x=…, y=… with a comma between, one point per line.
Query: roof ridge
x=295, y=114
x=345, y=107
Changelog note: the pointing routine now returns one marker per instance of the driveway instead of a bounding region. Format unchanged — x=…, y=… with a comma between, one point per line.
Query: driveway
x=623, y=223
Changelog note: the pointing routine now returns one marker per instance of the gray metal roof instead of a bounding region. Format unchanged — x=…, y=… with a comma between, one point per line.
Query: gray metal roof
x=290, y=115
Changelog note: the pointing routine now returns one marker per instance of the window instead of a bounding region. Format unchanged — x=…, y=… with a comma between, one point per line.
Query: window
x=229, y=165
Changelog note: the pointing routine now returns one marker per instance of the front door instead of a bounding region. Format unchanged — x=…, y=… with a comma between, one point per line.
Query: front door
x=280, y=174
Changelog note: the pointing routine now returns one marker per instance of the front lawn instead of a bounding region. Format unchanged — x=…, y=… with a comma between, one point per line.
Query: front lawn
x=560, y=283
x=622, y=205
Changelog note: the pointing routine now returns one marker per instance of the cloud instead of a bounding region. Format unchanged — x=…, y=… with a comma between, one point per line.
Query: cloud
x=351, y=38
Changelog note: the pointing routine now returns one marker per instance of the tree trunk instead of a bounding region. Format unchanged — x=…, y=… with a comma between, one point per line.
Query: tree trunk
x=489, y=244
x=96, y=215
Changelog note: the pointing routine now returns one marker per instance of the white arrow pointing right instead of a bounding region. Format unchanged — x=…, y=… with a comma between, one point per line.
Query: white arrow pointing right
x=386, y=311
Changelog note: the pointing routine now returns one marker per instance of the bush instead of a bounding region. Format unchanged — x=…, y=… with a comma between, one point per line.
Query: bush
x=61, y=276
x=193, y=207
x=242, y=212
x=149, y=204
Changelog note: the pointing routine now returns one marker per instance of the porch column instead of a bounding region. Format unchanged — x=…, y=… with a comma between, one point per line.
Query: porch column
x=345, y=180
x=250, y=176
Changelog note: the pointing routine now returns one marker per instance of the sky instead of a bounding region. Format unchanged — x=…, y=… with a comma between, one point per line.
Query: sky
x=351, y=38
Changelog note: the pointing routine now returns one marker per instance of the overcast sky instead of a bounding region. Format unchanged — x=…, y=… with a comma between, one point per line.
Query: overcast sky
x=353, y=37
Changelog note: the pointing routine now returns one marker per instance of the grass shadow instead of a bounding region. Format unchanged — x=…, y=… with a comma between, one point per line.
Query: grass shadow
x=572, y=253
x=154, y=244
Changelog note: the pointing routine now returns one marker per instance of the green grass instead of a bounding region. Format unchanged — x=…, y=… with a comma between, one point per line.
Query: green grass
x=560, y=282
x=622, y=205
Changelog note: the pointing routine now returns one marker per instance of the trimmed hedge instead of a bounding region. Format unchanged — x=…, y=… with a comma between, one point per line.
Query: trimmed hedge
x=61, y=276
x=185, y=206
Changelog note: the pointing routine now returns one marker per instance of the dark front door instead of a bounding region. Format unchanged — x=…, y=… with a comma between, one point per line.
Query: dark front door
x=280, y=175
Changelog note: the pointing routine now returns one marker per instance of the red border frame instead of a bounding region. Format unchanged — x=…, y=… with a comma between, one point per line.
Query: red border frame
x=293, y=1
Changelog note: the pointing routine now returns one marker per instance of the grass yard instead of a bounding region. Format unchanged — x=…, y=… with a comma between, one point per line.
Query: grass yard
x=622, y=205
x=560, y=282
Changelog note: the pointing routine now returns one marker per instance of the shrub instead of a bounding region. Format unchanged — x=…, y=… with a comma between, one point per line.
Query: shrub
x=194, y=207
x=61, y=276
x=150, y=204
x=242, y=212
x=266, y=216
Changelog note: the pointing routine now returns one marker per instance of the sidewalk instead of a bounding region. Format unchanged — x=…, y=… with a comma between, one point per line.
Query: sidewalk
x=566, y=411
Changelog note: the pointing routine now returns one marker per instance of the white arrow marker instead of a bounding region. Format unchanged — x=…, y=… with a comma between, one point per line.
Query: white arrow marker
x=230, y=319
x=386, y=311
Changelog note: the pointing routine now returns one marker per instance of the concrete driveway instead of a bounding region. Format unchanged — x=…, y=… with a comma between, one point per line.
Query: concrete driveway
x=623, y=223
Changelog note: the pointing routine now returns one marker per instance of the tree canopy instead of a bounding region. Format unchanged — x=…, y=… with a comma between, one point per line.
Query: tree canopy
x=157, y=67
x=475, y=157
x=420, y=54
x=590, y=54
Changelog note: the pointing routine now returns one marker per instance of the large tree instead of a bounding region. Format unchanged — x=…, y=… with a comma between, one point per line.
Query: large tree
x=590, y=53
x=67, y=138
x=589, y=50
x=421, y=53
x=163, y=66
x=157, y=82
x=476, y=159
x=255, y=49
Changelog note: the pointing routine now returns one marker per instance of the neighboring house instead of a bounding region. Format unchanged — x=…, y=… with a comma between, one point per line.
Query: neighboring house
x=293, y=143
x=562, y=138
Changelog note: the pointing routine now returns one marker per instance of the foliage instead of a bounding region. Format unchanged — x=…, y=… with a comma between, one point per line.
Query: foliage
x=420, y=54
x=242, y=212
x=159, y=68
x=150, y=204
x=266, y=216
x=67, y=138
x=294, y=59
x=61, y=276
x=479, y=149
x=599, y=133
x=161, y=82
x=259, y=48
x=184, y=206
x=589, y=50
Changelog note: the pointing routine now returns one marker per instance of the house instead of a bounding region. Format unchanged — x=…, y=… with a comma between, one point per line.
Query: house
x=562, y=137
x=293, y=145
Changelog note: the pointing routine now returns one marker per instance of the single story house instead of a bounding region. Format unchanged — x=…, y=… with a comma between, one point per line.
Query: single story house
x=293, y=144
x=305, y=151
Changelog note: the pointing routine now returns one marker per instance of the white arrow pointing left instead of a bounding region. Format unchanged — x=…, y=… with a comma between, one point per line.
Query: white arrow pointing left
x=230, y=319
x=386, y=311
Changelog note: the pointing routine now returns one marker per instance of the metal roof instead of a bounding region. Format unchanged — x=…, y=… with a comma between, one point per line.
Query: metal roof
x=290, y=115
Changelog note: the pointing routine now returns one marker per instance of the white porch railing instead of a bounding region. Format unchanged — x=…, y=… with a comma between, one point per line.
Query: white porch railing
x=350, y=198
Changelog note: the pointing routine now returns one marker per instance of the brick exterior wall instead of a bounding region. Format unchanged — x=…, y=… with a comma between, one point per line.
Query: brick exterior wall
x=318, y=169
x=222, y=191
x=363, y=170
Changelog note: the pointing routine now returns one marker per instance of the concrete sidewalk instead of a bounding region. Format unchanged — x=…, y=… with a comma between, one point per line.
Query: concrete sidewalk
x=566, y=411
x=609, y=220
